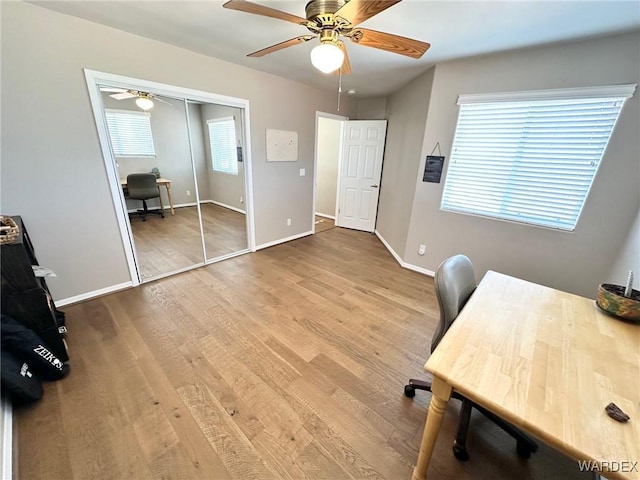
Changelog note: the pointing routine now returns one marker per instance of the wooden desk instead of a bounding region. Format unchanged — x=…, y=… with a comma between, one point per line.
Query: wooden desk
x=162, y=182
x=548, y=362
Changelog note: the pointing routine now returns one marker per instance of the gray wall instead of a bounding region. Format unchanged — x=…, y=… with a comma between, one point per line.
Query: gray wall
x=628, y=258
x=327, y=175
x=198, y=140
x=53, y=173
x=407, y=114
x=576, y=261
x=372, y=108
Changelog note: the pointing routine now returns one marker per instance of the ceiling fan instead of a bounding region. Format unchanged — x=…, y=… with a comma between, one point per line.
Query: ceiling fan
x=143, y=99
x=329, y=20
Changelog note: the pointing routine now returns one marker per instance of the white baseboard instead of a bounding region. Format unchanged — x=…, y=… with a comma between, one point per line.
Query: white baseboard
x=332, y=217
x=415, y=268
x=283, y=240
x=179, y=205
x=388, y=247
x=93, y=294
x=401, y=262
x=224, y=205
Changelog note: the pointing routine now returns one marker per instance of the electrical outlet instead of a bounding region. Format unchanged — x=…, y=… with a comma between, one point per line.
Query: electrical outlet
x=422, y=249
x=302, y=172
x=241, y=199
x=288, y=222
x=188, y=193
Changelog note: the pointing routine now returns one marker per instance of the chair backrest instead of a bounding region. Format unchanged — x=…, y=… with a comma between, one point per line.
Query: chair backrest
x=142, y=186
x=455, y=281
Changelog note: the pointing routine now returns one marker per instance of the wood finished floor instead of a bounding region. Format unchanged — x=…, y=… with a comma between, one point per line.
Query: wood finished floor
x=324, y=223
x=164, y=245
x=286, y=363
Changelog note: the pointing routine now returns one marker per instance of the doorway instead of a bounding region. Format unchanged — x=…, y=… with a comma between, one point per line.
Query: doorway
x=327, y=156
x=348, y=169
x=205, y=189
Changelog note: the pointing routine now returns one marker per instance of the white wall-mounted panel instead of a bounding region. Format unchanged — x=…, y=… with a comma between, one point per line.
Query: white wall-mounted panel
x=282, y=146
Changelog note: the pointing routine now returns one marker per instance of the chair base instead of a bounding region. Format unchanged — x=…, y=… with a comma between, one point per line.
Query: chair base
x=525, y=446
x=143, y=212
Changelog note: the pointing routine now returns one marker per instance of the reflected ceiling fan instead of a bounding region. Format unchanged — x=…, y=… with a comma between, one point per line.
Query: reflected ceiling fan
x=329, y=20
x=144, y=100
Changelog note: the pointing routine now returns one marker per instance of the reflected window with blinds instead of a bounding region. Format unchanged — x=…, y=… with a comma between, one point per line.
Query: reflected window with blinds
x=222, y=141
x=530, y=157
x=130, y=133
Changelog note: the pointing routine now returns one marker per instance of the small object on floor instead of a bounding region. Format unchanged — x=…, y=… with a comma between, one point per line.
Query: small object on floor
x=614, y=412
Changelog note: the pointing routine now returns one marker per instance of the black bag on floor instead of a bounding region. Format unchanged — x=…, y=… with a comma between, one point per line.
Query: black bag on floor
x=27, y=346
x=18, y=380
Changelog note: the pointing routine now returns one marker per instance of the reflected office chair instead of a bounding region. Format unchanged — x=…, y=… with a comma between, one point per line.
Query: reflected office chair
x=455, y=282
x=143, y=186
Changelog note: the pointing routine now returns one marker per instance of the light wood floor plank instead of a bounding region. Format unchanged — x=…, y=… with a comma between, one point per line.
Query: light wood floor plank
x=239, y=456
x=287, y=363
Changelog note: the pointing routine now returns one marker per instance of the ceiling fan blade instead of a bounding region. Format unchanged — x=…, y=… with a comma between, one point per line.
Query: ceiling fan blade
x=250, y=7
x=281, y=45
x=123, y=95
x=357, y=11
x=346, y=65
x=389, y=42
x=113, y=89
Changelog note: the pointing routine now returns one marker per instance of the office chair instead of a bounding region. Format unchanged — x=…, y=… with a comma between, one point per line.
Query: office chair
x=143, y=186
x=455, y=282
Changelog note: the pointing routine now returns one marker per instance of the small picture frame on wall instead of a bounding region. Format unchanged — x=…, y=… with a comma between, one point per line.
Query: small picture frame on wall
x=433, y=168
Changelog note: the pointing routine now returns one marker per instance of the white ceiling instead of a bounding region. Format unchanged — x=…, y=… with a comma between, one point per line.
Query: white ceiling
x=455, y=29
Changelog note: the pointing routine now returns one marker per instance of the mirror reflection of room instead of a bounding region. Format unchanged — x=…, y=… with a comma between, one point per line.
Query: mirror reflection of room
x=153, y=138
x=204, y=151
x=216, y=136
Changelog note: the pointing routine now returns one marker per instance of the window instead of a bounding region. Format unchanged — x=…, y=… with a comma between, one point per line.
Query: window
x=130, y=133
x=222, y=140
x=530, y=157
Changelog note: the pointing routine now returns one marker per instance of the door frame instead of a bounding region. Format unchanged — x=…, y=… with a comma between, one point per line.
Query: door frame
x=94, y=79
x=331, y=116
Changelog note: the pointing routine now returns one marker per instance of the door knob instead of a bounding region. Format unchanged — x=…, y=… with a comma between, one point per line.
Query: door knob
x=374, y=186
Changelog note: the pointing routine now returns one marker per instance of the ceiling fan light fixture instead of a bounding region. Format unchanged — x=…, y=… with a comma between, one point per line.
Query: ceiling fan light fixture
x=144, y=102
x=327, y=57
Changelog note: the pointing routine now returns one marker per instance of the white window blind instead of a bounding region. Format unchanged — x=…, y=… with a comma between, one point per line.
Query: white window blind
x=530, y=157
x=222, y=140
x=130, y=133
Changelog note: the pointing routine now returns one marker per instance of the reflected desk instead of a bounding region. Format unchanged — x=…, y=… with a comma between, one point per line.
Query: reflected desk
x=548, y=362
x=162, y=182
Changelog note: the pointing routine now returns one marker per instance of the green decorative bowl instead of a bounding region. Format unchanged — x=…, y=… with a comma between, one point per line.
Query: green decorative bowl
x=611, y=299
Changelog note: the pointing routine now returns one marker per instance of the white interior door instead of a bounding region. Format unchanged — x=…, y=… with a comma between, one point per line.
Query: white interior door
x=360, y=171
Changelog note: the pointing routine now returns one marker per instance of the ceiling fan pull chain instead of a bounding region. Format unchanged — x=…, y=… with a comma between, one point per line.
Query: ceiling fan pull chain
x=339, y=87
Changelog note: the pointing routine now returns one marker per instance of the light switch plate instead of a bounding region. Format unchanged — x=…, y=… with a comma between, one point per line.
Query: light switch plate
x=302, y=172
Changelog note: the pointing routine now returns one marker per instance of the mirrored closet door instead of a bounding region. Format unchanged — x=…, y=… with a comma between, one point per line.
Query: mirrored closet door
x=217, y=133
x=195, y=149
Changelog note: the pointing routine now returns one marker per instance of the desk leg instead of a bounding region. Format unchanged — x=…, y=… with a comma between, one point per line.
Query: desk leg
x=439, y=398
x=161, y=204
x=168, y=187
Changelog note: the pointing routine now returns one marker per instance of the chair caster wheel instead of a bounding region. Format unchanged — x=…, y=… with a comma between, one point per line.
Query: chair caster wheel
x=460, y=452
x=524, y=450
x=409, y=391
